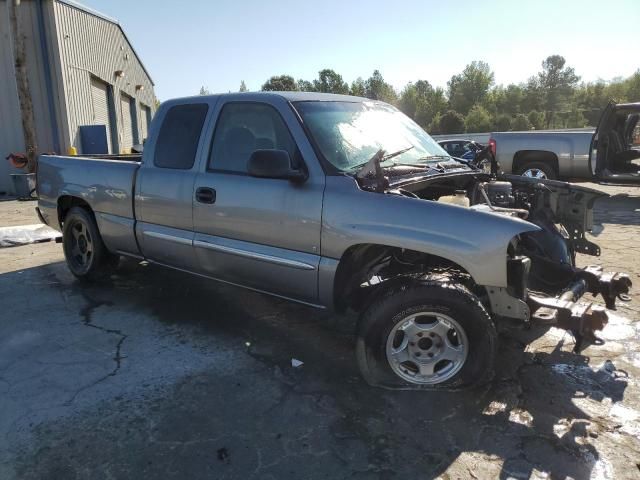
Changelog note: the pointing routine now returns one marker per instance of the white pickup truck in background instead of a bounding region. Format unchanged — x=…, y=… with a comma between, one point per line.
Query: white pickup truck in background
x=608, y=153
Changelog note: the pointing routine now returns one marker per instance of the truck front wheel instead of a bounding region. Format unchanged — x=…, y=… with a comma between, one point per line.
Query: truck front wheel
x=428, y=336
x=84, y=250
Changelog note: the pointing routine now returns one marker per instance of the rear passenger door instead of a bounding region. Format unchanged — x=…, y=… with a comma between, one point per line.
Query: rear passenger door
x=260, y=233
x=164, y=187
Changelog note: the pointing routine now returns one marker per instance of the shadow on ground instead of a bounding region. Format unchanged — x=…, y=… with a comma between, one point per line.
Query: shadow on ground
x=621, y=209
x=268, y=419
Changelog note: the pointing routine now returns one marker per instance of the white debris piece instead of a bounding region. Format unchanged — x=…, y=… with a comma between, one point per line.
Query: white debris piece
x=24, y=234
x=295, y=363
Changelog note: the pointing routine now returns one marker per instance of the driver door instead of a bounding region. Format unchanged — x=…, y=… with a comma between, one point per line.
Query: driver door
x=260, y=233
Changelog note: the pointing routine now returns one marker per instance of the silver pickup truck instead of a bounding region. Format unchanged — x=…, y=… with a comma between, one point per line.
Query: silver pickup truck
x=604, y=154
x=340, y=203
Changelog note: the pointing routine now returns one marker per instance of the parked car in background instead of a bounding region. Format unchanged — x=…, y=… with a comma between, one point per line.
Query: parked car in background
x=465, y=149
x=340, y=203
x=607, y=153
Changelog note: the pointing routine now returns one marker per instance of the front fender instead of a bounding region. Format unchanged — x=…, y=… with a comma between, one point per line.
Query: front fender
x=477, y=241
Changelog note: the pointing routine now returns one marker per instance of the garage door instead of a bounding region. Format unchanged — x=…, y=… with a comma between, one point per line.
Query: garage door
x=100, y=103
x=144, y=122
x=126, y=114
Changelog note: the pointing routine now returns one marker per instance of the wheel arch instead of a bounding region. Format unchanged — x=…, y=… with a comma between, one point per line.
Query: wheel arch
x=359, y=261
x=67, y=202
x=523, y=157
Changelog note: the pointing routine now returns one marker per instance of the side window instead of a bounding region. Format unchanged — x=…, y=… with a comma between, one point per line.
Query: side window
x=179, y=136
x=243, y=128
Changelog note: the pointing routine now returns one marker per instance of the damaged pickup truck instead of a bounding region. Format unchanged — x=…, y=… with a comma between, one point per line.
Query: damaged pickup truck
x=341, y=203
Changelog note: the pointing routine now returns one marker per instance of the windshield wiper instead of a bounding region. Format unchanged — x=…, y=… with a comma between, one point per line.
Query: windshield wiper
x=395, y=154
x=382, y=157
x=429, y=157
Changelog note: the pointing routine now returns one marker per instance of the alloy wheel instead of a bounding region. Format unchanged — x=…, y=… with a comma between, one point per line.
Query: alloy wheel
x=426, y=348
x=81, y=247
x=534, y=173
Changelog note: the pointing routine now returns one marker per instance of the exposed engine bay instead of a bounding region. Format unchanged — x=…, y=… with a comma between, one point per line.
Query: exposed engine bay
x=541, y=265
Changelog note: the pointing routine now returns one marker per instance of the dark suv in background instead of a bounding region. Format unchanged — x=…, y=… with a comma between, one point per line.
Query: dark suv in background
x=465, y=149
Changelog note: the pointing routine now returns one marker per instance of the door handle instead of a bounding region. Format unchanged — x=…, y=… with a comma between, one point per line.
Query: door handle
x=205, y=195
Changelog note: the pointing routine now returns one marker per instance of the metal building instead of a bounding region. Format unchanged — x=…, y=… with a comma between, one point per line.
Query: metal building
x=88, y=87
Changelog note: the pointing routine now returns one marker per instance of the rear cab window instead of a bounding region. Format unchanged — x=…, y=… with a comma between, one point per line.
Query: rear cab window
x=179, y=136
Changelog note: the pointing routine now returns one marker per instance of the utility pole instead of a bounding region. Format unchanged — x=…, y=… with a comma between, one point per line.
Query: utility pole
x=22, y=83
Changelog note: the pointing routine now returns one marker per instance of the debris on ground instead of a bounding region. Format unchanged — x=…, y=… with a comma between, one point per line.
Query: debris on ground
x=25, y=234
x=223, y=455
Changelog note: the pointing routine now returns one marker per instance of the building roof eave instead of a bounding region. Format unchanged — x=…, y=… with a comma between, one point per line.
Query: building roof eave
x=95, y=13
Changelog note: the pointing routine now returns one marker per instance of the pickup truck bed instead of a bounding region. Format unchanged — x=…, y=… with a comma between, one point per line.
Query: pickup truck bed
x=62, y=179
x=607, y=153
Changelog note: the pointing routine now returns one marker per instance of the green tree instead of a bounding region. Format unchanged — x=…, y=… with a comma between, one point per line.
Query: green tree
x=575, y=118
x=536, y=119
x=280, y=83
x=521, y=122
x=507, y=100
x=243, y=87
x=470, y=87
x=592, y=98
x=617, y=90
x=433, y=104
x=478, y=120
x=532, y=96
x=502, y=123
x=330, y=82
x=633, y=87
x=557, y=82
x=377, y=89
x=434, y=126
x=204, y=91
x=306, y=86
x=451, y=122
x=408, y=100
x=422, y=102
x=358, y=87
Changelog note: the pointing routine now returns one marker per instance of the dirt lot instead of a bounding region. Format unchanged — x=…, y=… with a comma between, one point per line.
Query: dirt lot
x=157, y=374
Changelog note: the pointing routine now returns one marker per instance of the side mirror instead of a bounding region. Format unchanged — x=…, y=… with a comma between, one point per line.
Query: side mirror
x=273, y=164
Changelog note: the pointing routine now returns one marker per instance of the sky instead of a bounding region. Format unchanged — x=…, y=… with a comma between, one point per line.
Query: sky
x=189, y=44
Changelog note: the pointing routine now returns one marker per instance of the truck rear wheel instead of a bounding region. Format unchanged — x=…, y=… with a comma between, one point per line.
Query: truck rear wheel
x=539, y=170
x=429, y=336
x=84, y=250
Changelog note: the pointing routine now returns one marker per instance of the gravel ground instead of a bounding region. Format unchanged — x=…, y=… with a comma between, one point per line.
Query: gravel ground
x=157, y=374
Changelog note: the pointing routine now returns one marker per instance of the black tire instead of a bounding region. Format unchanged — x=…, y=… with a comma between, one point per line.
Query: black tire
x=548, y=170
x=451, y=300
x=86, y=255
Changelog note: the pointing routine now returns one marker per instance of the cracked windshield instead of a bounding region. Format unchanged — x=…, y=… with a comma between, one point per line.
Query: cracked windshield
x=349, y=134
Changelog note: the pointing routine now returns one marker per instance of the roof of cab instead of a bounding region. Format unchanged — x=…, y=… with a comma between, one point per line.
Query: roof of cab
x=318, y=97
x=289, y=96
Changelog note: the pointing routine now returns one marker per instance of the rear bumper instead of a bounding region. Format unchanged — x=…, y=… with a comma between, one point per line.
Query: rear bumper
x=48, y=214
